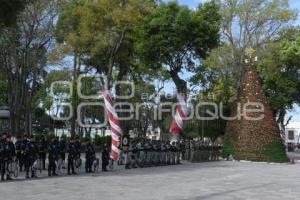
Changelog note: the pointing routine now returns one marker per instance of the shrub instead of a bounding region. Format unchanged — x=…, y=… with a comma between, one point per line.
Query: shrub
x=275, y=152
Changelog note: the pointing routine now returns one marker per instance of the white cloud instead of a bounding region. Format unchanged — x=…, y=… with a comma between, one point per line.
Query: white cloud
x=203, y=1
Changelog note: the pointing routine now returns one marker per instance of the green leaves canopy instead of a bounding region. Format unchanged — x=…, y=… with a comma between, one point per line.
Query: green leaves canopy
x=177, y=36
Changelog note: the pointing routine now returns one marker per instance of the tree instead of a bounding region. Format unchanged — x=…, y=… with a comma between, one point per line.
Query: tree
x=9, y=10
x=23, y=58
x=99, y=35
x=245, y=24
x=3, y=90
x=105, y=28
x=251, y=24
x=279, y=71
x=253, y=135
x=177, y=38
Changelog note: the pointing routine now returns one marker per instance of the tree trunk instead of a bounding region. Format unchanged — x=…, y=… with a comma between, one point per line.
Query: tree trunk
x=74, y=98
x=181, y=84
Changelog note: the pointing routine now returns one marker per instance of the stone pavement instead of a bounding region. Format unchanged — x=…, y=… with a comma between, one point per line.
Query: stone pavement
x=212, y=180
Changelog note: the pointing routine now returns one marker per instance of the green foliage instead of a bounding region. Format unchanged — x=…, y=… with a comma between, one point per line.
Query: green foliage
x=67, y=28
x=216, y=80
x=211, y=128
x=228, y=147
x=99, y=141
x=176, y=36
x=101, y=30
x=275, y=152
x=3, y=89
x=279, y=70
x=50, y=136
x=245, y=24
x=64, y=136
x=39, y=136
x=9, y=11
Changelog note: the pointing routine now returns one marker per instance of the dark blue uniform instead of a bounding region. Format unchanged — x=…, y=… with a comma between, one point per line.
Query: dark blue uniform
x=90, y=157
x=42, y=149
x=2, y=158
x=52, y=157
x=72, y=154
x=62, y=150
x=20, y=158
x=105, y=158
x=29, y=153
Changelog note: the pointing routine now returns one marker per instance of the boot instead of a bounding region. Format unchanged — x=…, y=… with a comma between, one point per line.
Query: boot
x=8, y=178
x=33, y=175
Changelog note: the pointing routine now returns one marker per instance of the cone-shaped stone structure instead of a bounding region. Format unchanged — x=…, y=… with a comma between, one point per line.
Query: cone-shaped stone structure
x=254, y=140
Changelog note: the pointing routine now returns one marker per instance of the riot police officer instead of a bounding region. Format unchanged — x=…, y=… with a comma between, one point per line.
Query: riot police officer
x=168, y=153
x=141, y=154
x=62, y=149
x=163, y=153
x=30, y=155
x=72, y=154
x=148, y=153
x=105, y=157
x=193, y=149
x=10, y=153
x=78, y=147
x=42, y=151
x=2, y=156
x=173, y=153
x=134, y=154
x=19, y=156
x=52, y=157
x=187, y=154
x=89, y=156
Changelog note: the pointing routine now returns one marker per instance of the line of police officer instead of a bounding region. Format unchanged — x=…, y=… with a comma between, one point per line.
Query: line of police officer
x=147, y=153
x=200, y=151
x=26, y=151
x=142, y=153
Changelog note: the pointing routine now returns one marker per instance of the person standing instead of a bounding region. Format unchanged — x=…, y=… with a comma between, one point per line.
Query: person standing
x=72, y=153
x=187, y=150
x=42, y=149
x=89, y=156
x=30, y=154
x=105, y=157
x=2, y=156
x=10, y=154
x=62, y=149
x=52, y=157
x=78, y=148
x=19, y=156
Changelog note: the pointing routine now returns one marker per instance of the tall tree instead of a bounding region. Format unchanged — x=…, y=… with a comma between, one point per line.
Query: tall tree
x=279, y=71
x=99, y=34
x=23, y=57
x=178, y=38
x=245, y=24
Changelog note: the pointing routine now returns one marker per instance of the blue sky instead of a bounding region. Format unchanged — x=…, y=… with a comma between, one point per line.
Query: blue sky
x=294, y=4
x=193, y=3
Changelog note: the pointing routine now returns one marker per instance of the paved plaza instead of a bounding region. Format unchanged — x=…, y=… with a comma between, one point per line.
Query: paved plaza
x=212, y=180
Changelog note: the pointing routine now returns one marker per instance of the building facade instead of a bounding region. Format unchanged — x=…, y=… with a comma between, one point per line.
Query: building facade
x=292, y=136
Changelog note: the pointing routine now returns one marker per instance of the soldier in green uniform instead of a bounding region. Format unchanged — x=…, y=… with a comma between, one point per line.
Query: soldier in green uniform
x=192, y=146
x=187, y=150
